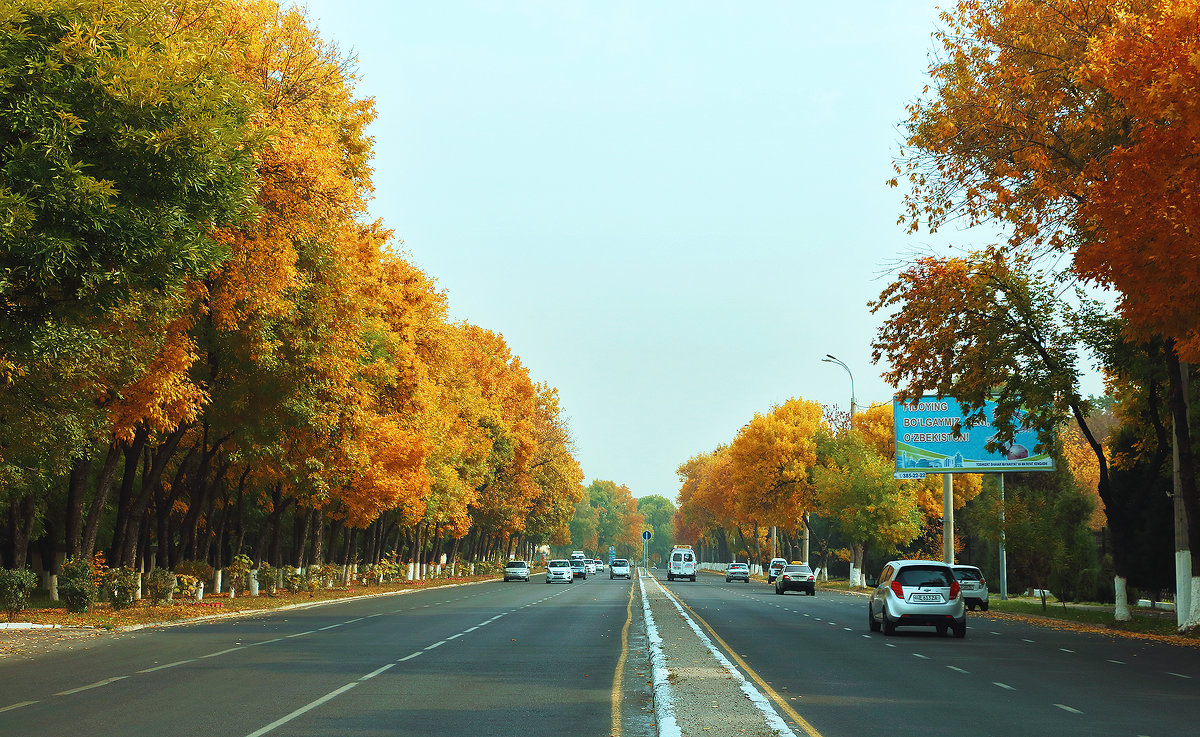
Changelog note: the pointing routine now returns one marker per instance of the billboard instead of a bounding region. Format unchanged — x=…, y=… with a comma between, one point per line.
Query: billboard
x=927, y=443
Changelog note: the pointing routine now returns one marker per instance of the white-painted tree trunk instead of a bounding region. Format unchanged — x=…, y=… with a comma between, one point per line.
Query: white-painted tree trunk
x=1121, y=612
x=855, y=575
x=1193, y=617
x=411, y=571
x=1183, y=588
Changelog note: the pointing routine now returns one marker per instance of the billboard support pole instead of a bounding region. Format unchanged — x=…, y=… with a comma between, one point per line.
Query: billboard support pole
x=948, y=518
x=1003, y=554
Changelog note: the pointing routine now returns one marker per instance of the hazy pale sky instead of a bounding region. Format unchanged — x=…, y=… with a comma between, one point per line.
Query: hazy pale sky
x=671, y=210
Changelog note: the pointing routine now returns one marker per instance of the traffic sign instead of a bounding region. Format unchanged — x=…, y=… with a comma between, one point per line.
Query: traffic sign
x=647, y=534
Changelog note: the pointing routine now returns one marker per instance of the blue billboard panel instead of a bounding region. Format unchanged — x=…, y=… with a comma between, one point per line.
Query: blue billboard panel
x=926, y=441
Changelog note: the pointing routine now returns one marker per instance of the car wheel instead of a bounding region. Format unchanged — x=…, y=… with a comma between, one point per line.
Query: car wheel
x=941, y=630
x=871, y=623
x=960, y=629
x=983, y=606
x=889, y=627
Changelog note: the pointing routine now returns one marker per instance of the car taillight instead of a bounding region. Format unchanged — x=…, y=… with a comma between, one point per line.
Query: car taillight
x=954, y=589
x=812, y=578
x=983, y=582
x=786, y=577
x=897, y=589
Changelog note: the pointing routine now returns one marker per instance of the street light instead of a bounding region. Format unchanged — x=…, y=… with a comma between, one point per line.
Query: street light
x=830, y=359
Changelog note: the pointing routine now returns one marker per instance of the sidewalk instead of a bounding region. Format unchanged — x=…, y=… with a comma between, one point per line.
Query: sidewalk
x=697, y=691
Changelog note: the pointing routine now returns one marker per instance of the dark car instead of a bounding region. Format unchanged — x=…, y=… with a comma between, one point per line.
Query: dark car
x=796, y=577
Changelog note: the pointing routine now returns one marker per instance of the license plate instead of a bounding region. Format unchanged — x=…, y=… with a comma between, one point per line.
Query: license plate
x=926, y=598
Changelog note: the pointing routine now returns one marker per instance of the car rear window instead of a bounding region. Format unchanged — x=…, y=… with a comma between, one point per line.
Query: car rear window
x=923, y=576
x=797, y=569
x=620, y=562
x=515, y=564
x=967, y=574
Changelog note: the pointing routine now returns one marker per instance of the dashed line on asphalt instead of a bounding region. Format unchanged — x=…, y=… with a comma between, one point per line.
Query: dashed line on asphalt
x=1004, y=686
x=1177, y=675
x=97, y=684
x=168, y=665
x=1068, y=709
x=959, y=670
x=17, y=705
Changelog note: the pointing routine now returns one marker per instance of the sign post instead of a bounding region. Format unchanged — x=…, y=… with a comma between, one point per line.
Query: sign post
x=646, y=535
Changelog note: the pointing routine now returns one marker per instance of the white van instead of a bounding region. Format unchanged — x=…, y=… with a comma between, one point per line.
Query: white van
x=683, y=563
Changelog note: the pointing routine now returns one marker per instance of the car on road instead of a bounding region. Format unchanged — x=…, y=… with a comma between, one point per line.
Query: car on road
x=917, y=593
x=682, y=563
x=599, y=565
x=590, y=565
x=737, y=572
x=796, y=577
x=578, y=568
x=559, y=570
x=516, y=570
x=619, y=569
x=974, y=586
x=774, y=567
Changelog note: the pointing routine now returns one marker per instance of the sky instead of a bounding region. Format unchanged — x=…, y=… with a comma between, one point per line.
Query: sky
x=672, y=211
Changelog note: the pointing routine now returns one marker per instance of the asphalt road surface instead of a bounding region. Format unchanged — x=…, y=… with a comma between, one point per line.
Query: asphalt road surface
x=1004, y=678
x=486, y=659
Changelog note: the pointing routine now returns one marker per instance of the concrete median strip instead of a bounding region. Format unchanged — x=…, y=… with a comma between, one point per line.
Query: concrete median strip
x=697, y=690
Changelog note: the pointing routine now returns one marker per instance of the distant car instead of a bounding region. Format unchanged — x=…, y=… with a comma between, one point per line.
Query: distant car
x=774, y=567
x=590, y=565
x=516, y=570
x=974, y=586
x=796, y=577
x=619, y=569
x=599, y=565
x=737, y=572
x=559, y=570
x=579, y=569
x=917, y=593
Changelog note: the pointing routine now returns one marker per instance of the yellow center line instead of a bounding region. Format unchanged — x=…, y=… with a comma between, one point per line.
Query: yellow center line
x=619, y=675
x=786, y=708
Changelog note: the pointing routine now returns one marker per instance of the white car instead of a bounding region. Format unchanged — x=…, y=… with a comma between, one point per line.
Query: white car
x=559, y=570
x=619, y=569
x=974, y=586
x=516, y=570
x=590, y=565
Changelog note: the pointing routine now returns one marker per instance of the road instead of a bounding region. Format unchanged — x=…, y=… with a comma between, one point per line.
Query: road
x=1005, y=678
x=484, y=659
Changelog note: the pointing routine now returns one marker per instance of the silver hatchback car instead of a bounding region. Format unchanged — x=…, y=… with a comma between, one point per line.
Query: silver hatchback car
x=974, y=586
x=917, y=593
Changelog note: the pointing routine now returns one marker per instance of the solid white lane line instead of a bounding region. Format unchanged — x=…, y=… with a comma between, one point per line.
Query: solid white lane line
x=168, y=665
x=1066, y=708
x=97, y=684
x=222, y=652
x=303, y=710
x=376, y=672
x=17, y=705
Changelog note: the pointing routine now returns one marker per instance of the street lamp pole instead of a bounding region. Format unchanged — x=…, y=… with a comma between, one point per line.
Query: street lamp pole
x=830, y=359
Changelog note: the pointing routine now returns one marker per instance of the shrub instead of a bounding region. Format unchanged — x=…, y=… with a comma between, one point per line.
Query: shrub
x=186, y=586
x=122, y=586
x=237, y=574
x=15, y=588
x=293, y=580
x=159, y=584
x=76, y=585
x=266, y=578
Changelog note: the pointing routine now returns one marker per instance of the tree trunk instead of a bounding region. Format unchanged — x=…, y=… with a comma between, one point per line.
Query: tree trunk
x=75, y=491
x=150, y=483
x=133, y=459
x=21, y=513
x=100, y=499
x=1187, y=528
